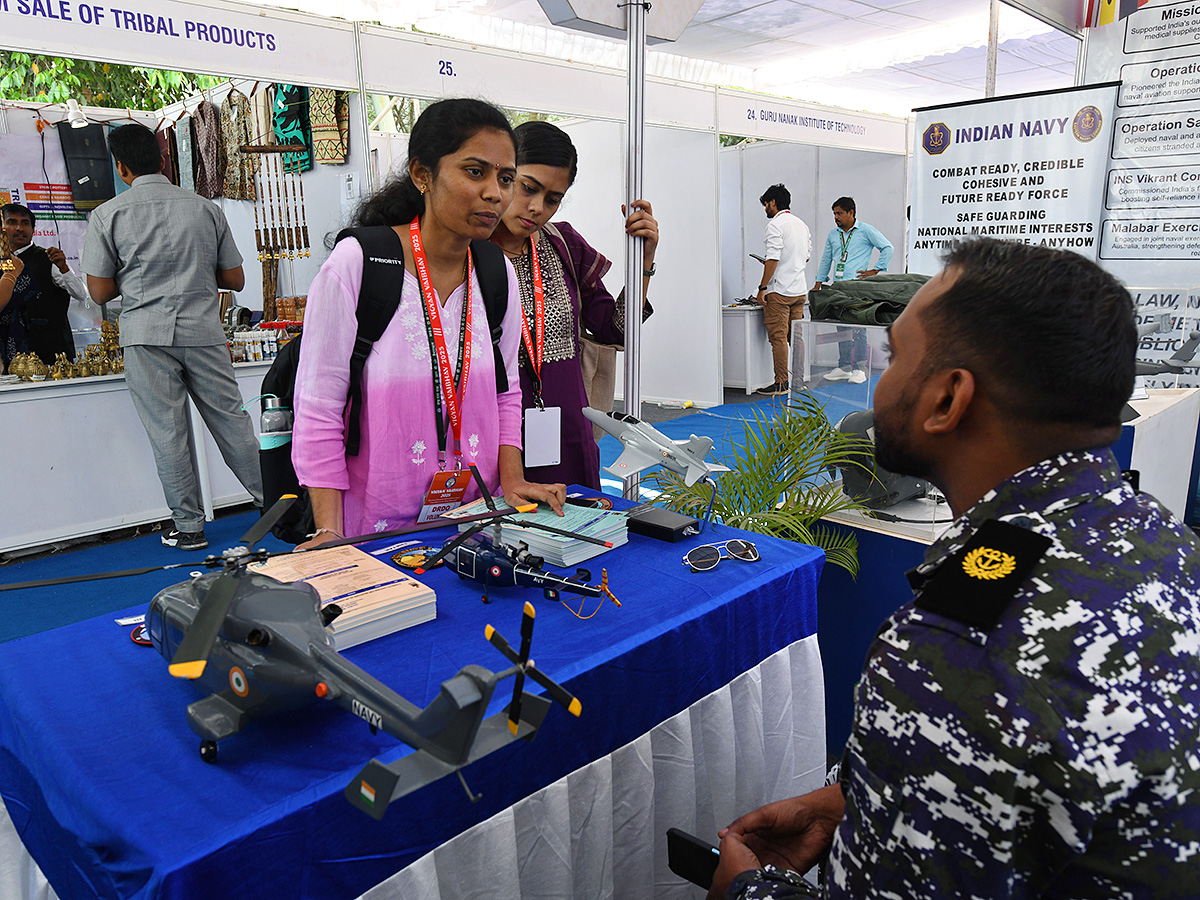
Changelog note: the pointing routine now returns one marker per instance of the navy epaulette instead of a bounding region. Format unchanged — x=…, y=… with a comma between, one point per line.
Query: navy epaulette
x=974, y=586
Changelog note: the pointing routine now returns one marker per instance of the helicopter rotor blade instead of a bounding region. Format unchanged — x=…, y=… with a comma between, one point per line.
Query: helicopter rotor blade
x=448, y=548
x=192, y=656
x=99, y=576
x=483, y=488
x=497, y=640
x=555, y=690
x=268, y=519
x=514, y=708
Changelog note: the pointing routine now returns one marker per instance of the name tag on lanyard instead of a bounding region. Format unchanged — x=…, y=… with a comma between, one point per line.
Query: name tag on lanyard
x=841, y=266
x=445, y=493
x=447, y=488
x=543, y=436
x=543, y=425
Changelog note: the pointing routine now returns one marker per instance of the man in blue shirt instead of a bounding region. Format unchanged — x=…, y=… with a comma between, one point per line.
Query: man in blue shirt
x=848, y=250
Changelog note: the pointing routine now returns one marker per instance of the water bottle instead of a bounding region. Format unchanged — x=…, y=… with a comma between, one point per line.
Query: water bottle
x=275, y=425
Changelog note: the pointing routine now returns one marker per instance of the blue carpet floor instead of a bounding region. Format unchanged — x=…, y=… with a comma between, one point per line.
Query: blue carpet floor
x=39, y=609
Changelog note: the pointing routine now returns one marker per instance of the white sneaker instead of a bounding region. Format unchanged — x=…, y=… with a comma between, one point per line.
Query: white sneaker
x=858, y=376
x=837, y=375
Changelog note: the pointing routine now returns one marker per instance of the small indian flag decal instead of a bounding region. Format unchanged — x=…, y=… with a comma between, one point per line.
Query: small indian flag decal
x=367, y=792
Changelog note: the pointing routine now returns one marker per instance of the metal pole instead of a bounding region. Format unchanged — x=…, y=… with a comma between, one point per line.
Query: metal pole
x=364, y=114
x=989, y=87
x=634, y=251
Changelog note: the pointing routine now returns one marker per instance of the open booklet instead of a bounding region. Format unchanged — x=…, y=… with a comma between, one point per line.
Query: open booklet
x=375, y=598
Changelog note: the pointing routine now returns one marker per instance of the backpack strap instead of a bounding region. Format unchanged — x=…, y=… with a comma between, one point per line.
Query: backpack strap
x=493, y=282
x=378, y=300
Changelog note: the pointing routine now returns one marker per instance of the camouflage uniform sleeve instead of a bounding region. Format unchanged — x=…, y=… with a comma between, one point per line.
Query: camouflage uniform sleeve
x=958, y=776
x=771, y=883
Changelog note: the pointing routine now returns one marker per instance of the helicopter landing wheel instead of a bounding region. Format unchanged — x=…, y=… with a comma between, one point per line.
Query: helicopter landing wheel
x=208, y=751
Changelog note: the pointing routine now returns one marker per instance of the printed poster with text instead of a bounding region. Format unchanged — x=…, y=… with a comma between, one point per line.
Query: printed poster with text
x=1029, y=168
x=1150, y=233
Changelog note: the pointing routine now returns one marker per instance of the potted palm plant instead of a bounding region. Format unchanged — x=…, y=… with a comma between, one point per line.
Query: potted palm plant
x=780, y=481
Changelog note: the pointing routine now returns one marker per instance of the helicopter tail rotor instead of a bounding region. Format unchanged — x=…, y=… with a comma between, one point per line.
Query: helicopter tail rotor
x=525, y=666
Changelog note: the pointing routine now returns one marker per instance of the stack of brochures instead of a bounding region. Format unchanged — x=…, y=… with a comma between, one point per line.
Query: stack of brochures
x=604, y=525
x=375, y=598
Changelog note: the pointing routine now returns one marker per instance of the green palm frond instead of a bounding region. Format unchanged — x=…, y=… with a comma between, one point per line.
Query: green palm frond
x=780, y=480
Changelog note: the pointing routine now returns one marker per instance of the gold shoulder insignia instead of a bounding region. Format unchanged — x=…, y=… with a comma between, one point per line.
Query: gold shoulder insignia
x=989, y=564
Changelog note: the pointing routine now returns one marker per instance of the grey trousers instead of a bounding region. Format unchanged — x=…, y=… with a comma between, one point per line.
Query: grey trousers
x=159, y=380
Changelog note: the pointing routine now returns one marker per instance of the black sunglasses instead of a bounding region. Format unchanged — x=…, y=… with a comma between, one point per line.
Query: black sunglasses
x=706, y=557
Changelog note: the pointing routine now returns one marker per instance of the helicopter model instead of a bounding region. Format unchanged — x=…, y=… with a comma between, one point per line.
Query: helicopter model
x=259, y=647
x=485, y=558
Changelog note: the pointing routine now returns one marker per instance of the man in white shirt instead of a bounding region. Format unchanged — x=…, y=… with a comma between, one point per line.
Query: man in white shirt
x=45, y=288
x=783, y=288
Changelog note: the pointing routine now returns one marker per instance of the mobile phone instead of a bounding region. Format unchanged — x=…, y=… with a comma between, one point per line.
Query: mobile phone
x=691, y=858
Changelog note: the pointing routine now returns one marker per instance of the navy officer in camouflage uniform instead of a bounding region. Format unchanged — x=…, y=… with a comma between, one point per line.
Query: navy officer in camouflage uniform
x=1028, y=725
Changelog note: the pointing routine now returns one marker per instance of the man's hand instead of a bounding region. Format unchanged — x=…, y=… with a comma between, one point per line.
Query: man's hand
x=58, y=258
x=867, y=273
x=816, y=285
x=793, y=833
x=761, y=298
x=736, y=858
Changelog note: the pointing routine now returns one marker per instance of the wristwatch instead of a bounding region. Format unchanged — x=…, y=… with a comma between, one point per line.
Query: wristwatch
x=762, y=287
x=650, y=271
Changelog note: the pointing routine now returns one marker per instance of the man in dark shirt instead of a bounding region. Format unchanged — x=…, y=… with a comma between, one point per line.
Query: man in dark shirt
x=1029, y=724
x=44, y=289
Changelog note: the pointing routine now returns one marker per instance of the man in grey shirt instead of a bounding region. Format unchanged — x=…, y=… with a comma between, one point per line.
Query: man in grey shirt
x=166, y=251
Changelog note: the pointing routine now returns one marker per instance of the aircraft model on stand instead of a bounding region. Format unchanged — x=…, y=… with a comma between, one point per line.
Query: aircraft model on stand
x=646, y=446
x=260, y=647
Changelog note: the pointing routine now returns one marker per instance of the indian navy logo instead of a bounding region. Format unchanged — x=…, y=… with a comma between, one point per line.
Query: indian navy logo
x=1086, y=124
x=989, y=564
x=936, y=139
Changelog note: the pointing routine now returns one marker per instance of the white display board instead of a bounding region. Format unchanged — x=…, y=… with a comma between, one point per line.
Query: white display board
x=681, y=343
x=436, y=67
x=212, y=37
x=1151, y=226
x=778, y=118
x=1028, y=168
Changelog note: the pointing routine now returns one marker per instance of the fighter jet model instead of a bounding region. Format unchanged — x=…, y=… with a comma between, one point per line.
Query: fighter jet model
x=258, y=647
x=646, y=446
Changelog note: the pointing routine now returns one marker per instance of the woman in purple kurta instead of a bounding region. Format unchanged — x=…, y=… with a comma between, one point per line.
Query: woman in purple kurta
x=576, y=300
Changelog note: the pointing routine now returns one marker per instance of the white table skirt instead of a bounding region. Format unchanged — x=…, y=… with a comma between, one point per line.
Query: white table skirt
x=601, y=831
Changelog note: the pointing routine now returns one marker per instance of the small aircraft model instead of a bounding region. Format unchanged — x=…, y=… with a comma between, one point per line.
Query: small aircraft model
x=259, y=647
x=646, y=446
x=486, y=559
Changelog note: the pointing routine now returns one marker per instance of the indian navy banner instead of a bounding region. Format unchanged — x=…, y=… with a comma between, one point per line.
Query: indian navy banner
x=1027, y=168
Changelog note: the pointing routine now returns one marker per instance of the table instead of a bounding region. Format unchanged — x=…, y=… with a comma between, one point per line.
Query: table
x=85, y=465
x=745, y=350
x=102, y=779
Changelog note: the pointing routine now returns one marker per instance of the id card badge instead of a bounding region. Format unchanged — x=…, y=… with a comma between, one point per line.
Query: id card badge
x=445, y=493
x=543, y=436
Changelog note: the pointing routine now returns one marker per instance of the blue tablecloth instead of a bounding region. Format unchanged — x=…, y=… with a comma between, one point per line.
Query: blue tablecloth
x=101, y=776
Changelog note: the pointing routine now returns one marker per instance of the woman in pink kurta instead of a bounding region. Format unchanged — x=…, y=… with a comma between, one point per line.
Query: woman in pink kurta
x=461, y=168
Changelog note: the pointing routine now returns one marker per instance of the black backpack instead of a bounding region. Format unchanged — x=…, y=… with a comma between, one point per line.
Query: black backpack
x=377, y=302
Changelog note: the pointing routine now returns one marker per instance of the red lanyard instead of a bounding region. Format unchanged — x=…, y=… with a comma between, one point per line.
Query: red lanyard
x=539, y=324
x=443, y=385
